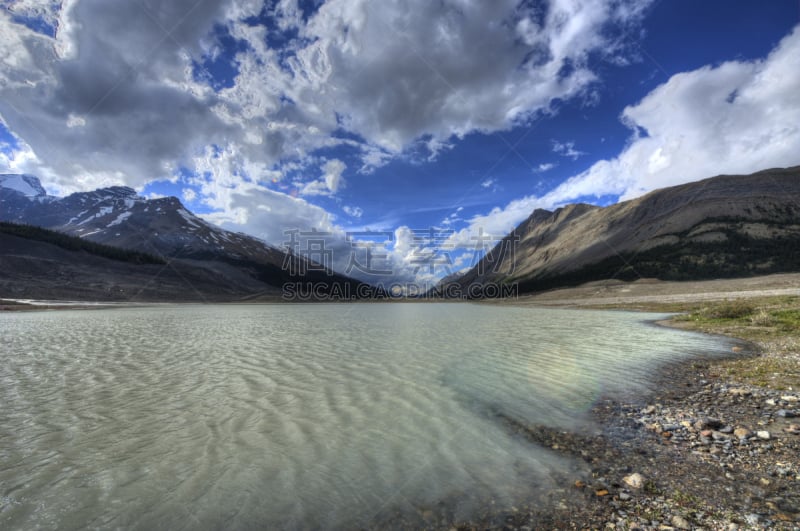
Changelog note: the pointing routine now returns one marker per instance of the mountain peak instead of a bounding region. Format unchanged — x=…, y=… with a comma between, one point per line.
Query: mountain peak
x=27, y=185
x=122, y=192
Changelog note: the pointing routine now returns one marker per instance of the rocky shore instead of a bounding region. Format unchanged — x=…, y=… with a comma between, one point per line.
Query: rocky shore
x=701, y=452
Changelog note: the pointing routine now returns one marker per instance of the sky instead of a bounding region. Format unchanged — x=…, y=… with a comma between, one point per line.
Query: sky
x=420, y=132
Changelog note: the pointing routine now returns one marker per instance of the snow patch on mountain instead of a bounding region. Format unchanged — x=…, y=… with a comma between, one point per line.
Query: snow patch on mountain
x=27, y=185
x=122, y=217
x=188, y=217
x=103, y=211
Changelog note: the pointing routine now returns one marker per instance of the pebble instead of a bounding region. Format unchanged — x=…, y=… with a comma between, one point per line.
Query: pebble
x=708, y=423
x=752, y=519
x=742, y=433
x=680, y=522
x=634, y=480
x=726, y=426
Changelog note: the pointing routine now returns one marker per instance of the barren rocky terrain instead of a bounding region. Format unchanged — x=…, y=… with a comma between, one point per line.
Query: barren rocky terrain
x=645, y=293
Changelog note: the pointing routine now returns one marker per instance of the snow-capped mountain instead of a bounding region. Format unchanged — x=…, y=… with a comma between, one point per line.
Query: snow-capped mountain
x=27, y=185
x=118, y=216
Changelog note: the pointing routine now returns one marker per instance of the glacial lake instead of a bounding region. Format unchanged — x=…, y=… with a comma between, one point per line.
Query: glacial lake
x=300, y=416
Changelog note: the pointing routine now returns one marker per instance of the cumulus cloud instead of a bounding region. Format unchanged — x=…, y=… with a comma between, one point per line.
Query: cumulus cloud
x=123, y=94
x=736, y=117
x=329, y=183
x=119, y=97
x=395, y=71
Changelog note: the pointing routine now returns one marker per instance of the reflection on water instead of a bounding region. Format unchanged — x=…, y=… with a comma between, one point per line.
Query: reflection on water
x=296, y=416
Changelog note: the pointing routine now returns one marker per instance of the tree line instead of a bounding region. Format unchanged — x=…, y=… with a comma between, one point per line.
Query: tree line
x=73, y=243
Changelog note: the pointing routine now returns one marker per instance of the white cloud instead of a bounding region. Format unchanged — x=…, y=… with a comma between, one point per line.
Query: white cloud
x=330, y=182
x=333, y=174
x=567, y=149
x=545, y=166
x=126, y=104
x=267, y=214
x=488, y=183
x=188, y=194
x=735, y=118
x=351, y=211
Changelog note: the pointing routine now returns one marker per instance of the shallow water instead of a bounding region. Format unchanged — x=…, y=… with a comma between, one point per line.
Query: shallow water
x=298, y=416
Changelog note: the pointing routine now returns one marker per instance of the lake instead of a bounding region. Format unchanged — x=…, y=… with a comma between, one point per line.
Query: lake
x=300, y=416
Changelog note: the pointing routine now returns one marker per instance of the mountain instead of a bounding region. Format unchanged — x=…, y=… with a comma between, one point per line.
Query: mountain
x=724, y=226
x=39, y=264
x=27, y=185
x=117, y=216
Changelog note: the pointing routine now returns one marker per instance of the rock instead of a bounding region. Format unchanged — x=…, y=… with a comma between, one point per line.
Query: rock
x=790, y=398
x=742, y=433
x=680, y=522
x=726, y=429
x=649, y=410
x=788, y=506
x=763, y=435
x=601, y=492
x=793, y=428
x=740, y=391
x=579, y=484
x=624, y=496
x=770, y=402
x=708, y=423
x=752, y=519
x=635, y=480
x=786, y=413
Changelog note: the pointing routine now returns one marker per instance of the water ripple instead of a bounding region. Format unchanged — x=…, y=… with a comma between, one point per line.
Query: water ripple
x=297, y=416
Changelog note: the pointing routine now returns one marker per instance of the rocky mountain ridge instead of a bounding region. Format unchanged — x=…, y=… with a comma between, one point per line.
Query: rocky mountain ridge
x=724, y=226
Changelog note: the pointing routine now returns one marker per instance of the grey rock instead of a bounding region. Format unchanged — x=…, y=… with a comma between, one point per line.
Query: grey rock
x=680, y=522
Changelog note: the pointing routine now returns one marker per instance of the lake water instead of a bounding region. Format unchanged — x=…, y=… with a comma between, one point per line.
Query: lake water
x=299, y=416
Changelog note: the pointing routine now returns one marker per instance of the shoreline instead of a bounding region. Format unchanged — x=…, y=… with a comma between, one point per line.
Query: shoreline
x=701, y=449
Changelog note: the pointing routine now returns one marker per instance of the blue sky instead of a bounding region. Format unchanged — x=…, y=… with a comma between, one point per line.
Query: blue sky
x=349, y=115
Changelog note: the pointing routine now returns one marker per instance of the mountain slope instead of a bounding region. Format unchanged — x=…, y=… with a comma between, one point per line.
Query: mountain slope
x=32, y=267
x=119, y=217
x=724, y=226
